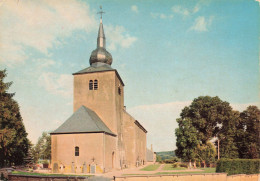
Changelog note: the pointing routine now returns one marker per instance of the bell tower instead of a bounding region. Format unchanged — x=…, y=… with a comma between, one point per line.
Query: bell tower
x=99, y=87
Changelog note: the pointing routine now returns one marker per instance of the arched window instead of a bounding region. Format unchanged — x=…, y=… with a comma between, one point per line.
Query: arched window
x=119, y=90
x=76, y=151
x=91, y=85
x=95, y=84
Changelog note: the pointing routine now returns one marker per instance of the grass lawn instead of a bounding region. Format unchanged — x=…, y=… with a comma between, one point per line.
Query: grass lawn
x=205, y=170
x=151, y=167
x=169, y=167
x=46, y=174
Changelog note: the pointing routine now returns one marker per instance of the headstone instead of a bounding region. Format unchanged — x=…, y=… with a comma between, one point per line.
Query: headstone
x=55, y=168
x=84, y=169
x=72, y=167
x=93, y=168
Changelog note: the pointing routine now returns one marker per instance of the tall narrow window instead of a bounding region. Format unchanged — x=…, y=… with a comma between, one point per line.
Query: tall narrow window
x=95, y=84
x=76, y=151
x=91, y=85
x=119, y=90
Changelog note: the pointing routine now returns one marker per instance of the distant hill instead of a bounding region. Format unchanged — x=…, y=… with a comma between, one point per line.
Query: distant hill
x=166, y=154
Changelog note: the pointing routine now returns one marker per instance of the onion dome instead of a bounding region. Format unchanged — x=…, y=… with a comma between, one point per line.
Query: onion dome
x=100, y=54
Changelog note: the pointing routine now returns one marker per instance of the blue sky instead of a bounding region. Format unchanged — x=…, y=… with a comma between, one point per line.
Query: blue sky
x=167, y=53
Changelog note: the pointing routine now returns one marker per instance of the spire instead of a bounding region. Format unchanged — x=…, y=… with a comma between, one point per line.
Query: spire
x=100, y=55
x=101, y=40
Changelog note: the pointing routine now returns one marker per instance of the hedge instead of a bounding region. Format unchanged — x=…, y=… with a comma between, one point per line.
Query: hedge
x=238, y=166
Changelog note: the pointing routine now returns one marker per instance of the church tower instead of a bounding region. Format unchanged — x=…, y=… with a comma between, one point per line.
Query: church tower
x=100, y=135
x=100, y=88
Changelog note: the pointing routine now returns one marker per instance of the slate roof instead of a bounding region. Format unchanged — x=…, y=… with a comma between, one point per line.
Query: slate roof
x=98, y=68
x=84, y=120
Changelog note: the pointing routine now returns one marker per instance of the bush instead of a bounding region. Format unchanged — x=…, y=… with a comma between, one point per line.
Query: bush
x=183, y=165
x=238, y=166
x=175, y=165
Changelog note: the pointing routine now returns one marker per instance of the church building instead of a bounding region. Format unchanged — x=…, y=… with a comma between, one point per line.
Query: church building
x=100, y=135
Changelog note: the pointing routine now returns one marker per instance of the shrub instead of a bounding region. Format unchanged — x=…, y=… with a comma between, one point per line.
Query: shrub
x=238, y=166
x=175, y=165
x=183, y=165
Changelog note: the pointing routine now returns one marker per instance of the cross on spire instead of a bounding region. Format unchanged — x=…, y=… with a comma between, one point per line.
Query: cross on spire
x=100, y=12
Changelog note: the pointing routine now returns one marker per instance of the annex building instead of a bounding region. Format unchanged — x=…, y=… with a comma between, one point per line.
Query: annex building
x=100, y=135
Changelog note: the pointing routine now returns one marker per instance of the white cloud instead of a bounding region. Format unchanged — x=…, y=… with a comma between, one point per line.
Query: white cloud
x=161, y=16
x=134, y=8
x=43, y=62
x=201, y=24
x=185, y=11
x=242, y=107
x=39, y=25
x=118, y=37
x=160, y=122
x=58, y=84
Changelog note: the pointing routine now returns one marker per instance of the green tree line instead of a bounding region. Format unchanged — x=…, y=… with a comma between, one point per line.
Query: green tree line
x=209, y=119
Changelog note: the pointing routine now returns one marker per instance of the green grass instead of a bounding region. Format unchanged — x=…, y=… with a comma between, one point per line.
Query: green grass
x=151, y=167
x=169, y=167
x=205, y=170
x=46, y=174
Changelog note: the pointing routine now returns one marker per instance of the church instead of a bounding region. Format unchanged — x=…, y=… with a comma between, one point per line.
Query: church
x=100, y=135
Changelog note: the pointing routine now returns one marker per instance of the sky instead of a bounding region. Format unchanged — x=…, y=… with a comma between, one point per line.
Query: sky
x=167, y=53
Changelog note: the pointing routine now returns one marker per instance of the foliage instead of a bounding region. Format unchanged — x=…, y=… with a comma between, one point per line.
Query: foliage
x=238, y=166
x=207, y=117
x=206, y=153
x=187, y=139
x=42, y=149
x=173, y=167
x=247, y=137
x=158, y=158
x=166, y=155
x=13, y=137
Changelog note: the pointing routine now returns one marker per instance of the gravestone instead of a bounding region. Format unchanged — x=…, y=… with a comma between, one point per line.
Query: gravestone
x=72, y=167
x=93, y=168
x=55, y=168
x=84, y=169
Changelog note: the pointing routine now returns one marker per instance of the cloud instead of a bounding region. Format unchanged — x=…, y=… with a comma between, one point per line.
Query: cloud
x=161, y=16
x=58, y=84
x=118, y=37
x=160, y=122
x=201, y=24
x=185, y=11
x=40, y=25
x=242, y=107
x=134, y=8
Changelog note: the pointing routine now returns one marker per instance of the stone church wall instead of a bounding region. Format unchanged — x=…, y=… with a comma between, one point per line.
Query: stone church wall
x=63, y=152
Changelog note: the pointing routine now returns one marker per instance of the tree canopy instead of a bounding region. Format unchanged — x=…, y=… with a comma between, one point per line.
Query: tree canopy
x=209, y=118
x=13, y=137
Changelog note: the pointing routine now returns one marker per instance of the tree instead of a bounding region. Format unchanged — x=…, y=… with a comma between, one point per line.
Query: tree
x=13, y=137
x=42, y=149
x=187, y=140
x=206, y=153
x=247, y=137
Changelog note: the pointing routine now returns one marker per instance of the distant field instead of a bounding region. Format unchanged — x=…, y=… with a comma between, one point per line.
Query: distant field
x=151, y=167
x=166, y=154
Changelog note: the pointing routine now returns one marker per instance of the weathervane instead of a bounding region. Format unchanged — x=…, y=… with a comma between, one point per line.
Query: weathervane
x=100, y=12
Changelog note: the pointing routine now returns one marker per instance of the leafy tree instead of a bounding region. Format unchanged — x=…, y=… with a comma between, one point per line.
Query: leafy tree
x=187, y=140
x=211, y=117
x=247, y=137
x=206, y=153
x=13, y=137
x=42, y=150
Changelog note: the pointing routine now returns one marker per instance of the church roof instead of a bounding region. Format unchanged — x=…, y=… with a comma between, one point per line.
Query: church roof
x=99, y=67
x=84, y=120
